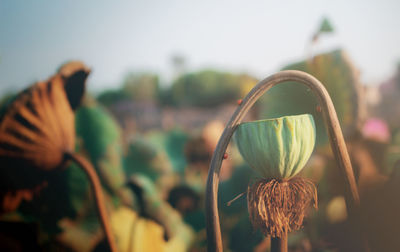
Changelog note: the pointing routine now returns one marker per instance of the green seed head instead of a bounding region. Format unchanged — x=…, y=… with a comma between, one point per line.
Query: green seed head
x=277, y=148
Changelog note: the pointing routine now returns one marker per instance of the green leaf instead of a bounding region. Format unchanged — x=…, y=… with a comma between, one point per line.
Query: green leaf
x=101, y=139
x=326, y=26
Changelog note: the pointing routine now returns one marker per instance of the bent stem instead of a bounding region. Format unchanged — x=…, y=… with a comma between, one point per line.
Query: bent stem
x=336, y=139
x=98, y=195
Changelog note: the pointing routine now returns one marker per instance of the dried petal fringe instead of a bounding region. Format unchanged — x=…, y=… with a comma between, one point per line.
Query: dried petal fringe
x=278, y=207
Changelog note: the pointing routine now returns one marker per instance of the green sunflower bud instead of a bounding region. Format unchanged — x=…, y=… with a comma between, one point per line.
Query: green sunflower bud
x=277, y=148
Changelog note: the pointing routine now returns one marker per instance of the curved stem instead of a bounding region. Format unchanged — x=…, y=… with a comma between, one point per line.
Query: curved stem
x=98, y=195
x=335, y=136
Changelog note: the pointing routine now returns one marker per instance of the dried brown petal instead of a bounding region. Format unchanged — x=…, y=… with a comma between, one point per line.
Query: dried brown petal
x=36, y=130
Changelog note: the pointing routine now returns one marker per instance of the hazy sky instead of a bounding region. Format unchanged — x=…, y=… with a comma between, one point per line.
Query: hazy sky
x=259, y=37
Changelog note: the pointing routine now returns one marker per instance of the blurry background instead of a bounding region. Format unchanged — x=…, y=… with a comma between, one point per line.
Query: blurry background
x=258, y=37
x=166, y=77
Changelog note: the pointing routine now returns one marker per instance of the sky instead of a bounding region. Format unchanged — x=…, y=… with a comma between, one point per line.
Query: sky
x=257, y=37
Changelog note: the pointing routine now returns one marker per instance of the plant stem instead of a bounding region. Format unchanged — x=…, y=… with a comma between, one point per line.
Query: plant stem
x=336, y=139
x=279, y=244
x=98, y=195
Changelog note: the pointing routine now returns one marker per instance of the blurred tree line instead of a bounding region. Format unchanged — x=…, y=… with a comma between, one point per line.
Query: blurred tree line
x=203, y=88
x=135, y=86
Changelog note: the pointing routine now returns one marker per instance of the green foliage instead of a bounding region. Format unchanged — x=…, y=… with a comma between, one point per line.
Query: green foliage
x=242, y=176
x=174, y=146
x=326, y=26
x=173, y=142
x=166, y=98
x=141, y=87
x=100, y=136
x=207, y=88
x=243, y=237
x=135, y=87
x=97, y=130
x=147, y=159
x=203, y=88
x=338, y=76
x=6, y=100
x=392, y=154
x=110, y=97
x=79, y=188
